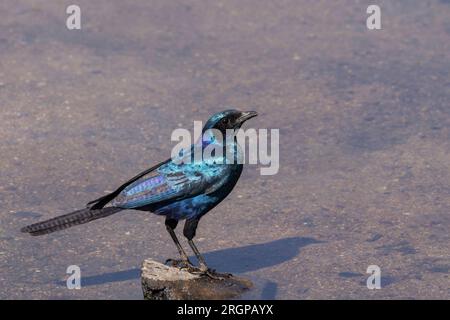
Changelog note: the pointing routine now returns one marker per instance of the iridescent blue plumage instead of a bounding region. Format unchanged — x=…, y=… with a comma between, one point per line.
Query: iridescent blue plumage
x=180, y=188
x=189, y=185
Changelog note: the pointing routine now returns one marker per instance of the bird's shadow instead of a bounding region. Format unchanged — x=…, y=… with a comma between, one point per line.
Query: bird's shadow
x=257, y=256
x=233, y=260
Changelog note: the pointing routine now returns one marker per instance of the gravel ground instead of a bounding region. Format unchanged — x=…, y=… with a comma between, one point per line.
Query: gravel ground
x=364, y=119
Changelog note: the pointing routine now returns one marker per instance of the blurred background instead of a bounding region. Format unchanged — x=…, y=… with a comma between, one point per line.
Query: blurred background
x=364, y=119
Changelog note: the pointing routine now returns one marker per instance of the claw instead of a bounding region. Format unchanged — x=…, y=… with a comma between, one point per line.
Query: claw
x=211, y=273
x=181, y=264
x=203, y=270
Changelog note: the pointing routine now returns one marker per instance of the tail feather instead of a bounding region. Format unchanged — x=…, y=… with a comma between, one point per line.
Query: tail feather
x=68, y=220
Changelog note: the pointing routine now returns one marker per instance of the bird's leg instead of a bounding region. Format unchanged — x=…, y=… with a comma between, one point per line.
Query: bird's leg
x=204, y=268
x=201, y=260
x=184, y=262
x=189, y=230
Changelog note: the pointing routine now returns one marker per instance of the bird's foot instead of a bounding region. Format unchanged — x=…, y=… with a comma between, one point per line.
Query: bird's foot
x=211, y=273
x=180, y=263
x=185, y=264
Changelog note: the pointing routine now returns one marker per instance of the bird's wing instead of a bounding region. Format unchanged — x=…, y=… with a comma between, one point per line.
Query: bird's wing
x=172, y=182
x=102, y=201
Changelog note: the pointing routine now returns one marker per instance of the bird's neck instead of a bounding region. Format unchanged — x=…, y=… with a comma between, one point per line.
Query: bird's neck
x=230, y=145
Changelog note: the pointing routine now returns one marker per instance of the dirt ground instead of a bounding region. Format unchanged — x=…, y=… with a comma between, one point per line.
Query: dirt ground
x=364, y=119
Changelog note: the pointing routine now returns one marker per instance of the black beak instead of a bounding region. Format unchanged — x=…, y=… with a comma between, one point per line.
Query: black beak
x=246, y=115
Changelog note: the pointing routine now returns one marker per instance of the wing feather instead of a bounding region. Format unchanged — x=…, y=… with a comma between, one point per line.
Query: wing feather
x=172, y=182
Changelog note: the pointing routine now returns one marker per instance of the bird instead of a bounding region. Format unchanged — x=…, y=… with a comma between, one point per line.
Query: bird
x=181, y=188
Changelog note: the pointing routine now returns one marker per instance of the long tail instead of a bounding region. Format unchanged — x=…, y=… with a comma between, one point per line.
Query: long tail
x=68, y=220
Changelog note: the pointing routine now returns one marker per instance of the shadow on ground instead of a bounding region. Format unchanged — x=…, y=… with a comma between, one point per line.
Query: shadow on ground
x=257, y=256
x=234, y=260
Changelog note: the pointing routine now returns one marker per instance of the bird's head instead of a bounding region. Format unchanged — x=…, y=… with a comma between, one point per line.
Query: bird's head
x=228, y=119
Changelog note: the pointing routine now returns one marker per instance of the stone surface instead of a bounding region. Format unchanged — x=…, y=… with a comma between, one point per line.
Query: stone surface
x=161, y=282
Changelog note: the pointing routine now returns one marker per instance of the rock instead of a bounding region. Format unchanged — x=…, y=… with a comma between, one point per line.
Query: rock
x=162, y=282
